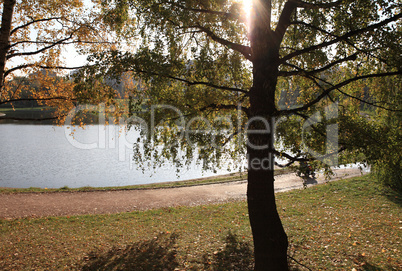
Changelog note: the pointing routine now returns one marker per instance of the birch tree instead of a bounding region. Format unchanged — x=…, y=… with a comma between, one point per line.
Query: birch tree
x=288, y=68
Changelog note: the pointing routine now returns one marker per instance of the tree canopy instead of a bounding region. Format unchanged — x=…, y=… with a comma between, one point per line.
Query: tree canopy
x=36, y=37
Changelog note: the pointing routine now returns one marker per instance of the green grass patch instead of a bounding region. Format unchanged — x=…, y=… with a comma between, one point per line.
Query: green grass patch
x=341, y=225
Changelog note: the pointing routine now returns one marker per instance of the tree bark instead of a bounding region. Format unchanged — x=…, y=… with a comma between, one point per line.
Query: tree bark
x=270, y=239
x=8, y=10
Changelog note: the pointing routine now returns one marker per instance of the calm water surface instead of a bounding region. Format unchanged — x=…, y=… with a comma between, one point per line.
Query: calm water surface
x=47, y=156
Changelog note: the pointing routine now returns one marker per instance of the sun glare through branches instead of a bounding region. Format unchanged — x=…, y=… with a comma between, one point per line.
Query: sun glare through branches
x=247, y=5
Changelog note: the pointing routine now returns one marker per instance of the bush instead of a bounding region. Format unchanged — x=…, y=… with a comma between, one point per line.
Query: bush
x=389, y=173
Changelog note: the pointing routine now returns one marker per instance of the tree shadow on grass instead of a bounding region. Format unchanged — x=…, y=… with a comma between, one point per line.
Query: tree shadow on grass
x=370, y=267
x=156, y=254
x=309, y=181
x=235, y=256
x=366, y=266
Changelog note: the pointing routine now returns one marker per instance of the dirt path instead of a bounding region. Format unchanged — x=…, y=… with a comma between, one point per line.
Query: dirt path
x=106, y=202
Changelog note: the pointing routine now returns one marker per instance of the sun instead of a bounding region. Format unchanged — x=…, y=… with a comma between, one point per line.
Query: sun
x=247, y=5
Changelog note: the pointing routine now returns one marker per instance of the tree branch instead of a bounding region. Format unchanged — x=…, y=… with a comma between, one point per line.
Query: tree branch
x=232, y=135
x=284, y=19
x=346, y=94
x=286, y=165
x=314, y=27
x=306, y=73
x=297, y=159
x=64, y=43
x=42, y=49
x=366, y=102
x=340, y=38
x=289, y=157
x=42, y=67
x=334, y=87
x=360, y=100
x=192, y=83
x=335, y=36
x=244, y=50
x=32, y=22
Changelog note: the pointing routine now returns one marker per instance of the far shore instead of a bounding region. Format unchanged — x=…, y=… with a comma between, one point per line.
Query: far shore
x=231, y=177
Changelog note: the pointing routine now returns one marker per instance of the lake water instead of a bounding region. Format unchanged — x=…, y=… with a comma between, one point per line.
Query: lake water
x=99, y=156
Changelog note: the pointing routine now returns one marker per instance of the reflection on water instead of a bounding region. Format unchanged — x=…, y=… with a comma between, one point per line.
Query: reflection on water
x=47, y=156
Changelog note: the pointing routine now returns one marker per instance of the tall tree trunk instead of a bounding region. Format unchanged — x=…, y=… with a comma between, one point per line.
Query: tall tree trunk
x=8, y=10
x=270, y=240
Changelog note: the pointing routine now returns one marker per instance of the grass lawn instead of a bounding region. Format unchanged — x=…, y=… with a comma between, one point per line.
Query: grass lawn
x=345, y=225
